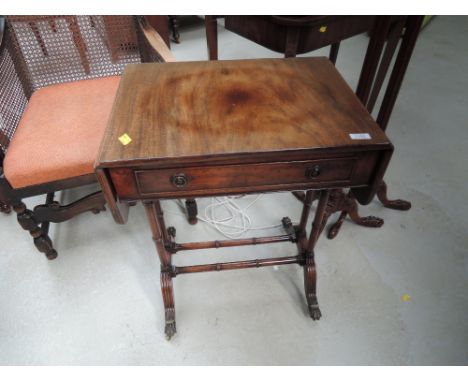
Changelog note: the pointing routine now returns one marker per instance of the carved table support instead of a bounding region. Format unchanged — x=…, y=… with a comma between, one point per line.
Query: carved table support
x=345, y=202
x=339, y=201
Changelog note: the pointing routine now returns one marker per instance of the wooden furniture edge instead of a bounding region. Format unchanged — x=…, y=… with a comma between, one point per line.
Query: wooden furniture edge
x=365, y=195
x=156, y=41
x=118, y=209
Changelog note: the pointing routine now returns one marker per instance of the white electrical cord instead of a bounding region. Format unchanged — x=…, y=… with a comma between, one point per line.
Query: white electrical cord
x=235, y=221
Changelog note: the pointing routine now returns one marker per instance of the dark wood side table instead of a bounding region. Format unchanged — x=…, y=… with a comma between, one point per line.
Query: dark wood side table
x=294, y=35
x=197, y=129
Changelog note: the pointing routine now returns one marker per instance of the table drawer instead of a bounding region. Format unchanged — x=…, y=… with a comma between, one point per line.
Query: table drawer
x=159, y=181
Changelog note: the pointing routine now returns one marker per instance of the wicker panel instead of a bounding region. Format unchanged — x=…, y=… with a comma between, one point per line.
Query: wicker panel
x=12, y=96
x=69, y=48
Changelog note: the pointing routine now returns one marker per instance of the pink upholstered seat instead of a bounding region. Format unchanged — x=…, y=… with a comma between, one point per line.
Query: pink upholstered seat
x=59, y=134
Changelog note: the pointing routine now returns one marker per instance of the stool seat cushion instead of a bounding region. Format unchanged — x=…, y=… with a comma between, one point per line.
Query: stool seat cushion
x=59, y=134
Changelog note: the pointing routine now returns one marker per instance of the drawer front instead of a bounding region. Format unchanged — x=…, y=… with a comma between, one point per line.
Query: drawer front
x=247, y=176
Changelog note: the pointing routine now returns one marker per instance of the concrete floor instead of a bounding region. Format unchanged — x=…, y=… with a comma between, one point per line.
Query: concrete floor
x=99, y=302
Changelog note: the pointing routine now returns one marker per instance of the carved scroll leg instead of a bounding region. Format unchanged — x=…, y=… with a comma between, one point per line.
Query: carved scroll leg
x=158, y=229
x=396, y=204
x=42, y=241
x=192, y=210
x=5, y=208
x=366, y=221
x=310, y=274
x=350, y=207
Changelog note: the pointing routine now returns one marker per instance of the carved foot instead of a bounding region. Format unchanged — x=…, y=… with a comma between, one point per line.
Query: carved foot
x=370, y=221
x=396, y=204
x=170, y=329
x=315, y=312
x=366, y=221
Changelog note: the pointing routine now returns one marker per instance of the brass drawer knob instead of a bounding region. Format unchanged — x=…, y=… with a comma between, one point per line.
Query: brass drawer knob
x=313, y=172
x=179, y=180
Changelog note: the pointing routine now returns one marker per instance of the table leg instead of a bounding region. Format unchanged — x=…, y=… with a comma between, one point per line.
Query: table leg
x=390, y=48
x=211, y=28
x=308, y=200
x=156, y=221
x=413, y=25
x=192, y=211
x=310, y=274
x=334, y=48
x=372, y=58
x=173, y=20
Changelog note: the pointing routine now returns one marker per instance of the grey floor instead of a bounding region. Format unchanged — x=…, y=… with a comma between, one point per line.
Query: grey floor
x=99, y=302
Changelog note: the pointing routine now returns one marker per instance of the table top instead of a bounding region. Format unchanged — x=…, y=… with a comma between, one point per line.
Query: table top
x=214, y=108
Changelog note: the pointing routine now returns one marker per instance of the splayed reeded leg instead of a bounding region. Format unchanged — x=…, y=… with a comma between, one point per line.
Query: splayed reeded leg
x=310, y=273
x=160, y=236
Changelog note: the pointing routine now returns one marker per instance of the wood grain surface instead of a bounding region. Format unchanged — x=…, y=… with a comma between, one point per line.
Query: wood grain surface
x=201, y=109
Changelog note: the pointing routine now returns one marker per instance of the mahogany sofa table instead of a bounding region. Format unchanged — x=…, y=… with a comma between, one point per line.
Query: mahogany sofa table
x=198, y=129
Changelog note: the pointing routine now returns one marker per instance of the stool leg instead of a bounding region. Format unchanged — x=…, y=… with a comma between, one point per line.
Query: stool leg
x=156, y=221
x=27, y=221
x=310, y=273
